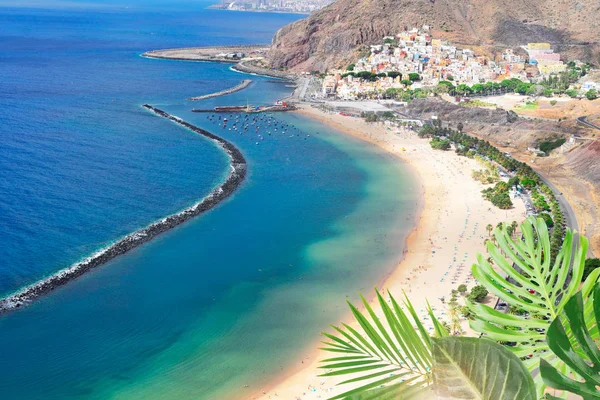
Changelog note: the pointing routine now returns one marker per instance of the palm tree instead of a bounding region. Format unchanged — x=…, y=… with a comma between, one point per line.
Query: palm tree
x=489, y=228
x=514, y=225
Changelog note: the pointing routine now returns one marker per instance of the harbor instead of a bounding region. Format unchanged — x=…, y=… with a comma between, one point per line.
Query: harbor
x=281, y=106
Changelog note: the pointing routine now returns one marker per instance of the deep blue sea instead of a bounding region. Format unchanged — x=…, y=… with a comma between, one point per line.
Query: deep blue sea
x=225, y=300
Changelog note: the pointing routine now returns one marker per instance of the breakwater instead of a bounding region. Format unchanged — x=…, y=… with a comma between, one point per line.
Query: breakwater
x=234, y=179
x=242, y=85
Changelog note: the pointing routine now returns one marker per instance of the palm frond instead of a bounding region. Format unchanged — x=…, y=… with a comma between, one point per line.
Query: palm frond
x=577, y=350
x=529, y=281
x=390, y=357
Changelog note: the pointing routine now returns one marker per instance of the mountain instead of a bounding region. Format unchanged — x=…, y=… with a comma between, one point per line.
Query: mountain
x=337, y=34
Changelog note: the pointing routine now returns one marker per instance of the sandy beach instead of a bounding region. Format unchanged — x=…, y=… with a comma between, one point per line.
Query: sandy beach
x=440, y=251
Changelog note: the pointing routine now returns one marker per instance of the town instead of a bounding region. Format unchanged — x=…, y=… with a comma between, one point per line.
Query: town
x=287, y=6
x=415, y=64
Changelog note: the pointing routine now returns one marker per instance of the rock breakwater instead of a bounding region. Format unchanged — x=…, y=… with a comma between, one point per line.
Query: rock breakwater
x=242, y=85
x=135, y=239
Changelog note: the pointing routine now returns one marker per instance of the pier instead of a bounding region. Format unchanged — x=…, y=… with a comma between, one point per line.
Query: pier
x=234, y=180
x=242, y=85
x=247, y=109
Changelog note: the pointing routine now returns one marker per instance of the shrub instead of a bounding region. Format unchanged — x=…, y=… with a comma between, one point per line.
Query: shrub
x=547, y=219
x=591, y=94
x=440, y=144
x=590, y=265
x=548, y=146
x=478, y=294
x=528, y=183
x=553, y=102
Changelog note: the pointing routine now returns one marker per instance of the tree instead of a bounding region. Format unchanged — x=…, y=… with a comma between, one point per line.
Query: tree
x=370, y=117
x=513, y=181
x=393, y=74
x=463, y=89
x=460, y=126
x=406, y=82
x=591, y=94
x=478, y=88
x=510, y=230
x=522, y=88
x=514, y=225
x=478, y=294
x=528, y=183
x=350, y=67
x=547, y=219
x=489, y=228
x=462, y=288
x=413, y=76
x=440, y=144
x=590, y=265
x=426, y=131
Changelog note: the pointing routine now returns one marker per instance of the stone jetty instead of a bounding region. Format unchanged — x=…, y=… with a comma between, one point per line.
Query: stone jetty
x=236, y=177
x=242, y=85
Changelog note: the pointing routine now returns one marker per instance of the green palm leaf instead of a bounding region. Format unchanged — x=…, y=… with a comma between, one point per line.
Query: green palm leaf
x=390, y=358
x=578, y=349
x=538, y=287
x=477, y=369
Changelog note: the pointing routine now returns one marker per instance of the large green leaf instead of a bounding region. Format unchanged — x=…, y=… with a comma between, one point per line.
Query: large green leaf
x=578, y=350
x=477, y=369
x=395, y=358
x=388, y=359
x=536, y=286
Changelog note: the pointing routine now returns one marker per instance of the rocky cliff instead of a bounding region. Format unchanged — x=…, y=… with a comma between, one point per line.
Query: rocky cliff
x=337, y=34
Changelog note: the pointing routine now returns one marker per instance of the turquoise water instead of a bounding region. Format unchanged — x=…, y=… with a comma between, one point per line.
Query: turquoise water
x=225, y=300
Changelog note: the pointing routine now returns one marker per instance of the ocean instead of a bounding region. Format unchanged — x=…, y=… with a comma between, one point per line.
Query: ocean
x=226, y=300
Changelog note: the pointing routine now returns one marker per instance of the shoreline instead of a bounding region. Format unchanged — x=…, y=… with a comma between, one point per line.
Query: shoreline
x=211, y=54
x=235, y=178
x=428, y=254
x=240, y=86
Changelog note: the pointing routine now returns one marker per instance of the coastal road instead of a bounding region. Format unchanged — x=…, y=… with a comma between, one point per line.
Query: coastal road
x=582, y=121
x=565, y=206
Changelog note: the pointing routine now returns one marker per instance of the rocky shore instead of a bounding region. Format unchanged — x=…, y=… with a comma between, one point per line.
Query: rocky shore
x=249, y=68
x=242, y=85
x=133, y=240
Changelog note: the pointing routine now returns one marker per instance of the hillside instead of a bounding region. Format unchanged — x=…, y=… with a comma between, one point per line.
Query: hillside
x=335, y=35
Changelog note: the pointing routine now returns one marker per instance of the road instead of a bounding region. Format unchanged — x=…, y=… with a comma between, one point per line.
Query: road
x=569, y=214
x=581, y=120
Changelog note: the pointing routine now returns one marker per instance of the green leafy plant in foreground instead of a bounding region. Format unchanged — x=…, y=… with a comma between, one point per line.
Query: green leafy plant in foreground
x=399, y=360
x=537, y=286
x=552, y=338
x=578, y=350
